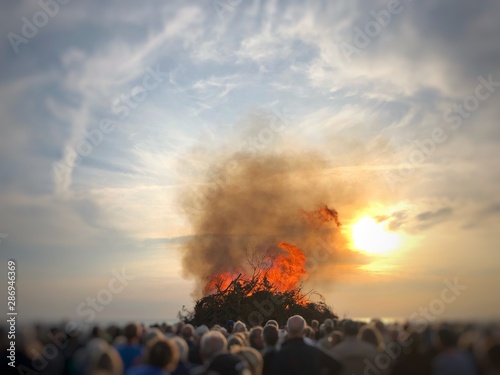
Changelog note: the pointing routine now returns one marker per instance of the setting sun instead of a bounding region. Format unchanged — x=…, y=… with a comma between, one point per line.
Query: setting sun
x=373, y=237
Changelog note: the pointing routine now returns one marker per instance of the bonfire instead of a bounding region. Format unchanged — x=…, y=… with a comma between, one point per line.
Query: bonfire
x=268, y=286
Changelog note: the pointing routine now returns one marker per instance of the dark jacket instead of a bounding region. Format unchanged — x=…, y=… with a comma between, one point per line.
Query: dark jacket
x=298, y=358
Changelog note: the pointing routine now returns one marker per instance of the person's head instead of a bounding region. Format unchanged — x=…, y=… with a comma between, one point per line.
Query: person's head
x=239, y=327
x=315, y=325
x=295, y=326
x=178, y=327
x=251, y=357
x=447, y=338
x=235, y=340
x=211, y=343
x=162, y=353
x=380, y=326
x=183, y=348
x=350, y=328
x=198, y=333
x=329, y=323
x=336, y=337
x=188, y=332
x=371, y=335
x=271, y=335
x=255, y=338
x=413, y=344
x=132, y=333
x=309, y=333
x=273, y=323
x=97, y=332
x=102, y=358
x=151, y=334
x=229, y=326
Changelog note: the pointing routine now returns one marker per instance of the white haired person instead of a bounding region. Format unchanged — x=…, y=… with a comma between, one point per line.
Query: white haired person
x=297, y=357
x=216, y=357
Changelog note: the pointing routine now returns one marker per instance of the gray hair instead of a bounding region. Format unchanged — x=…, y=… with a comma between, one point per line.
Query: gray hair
x=212, y=342
x=183, y=348
x=296, y=325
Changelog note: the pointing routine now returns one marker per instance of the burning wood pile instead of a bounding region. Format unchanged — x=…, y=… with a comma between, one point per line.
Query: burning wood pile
x=254, y=302
x=268, y=287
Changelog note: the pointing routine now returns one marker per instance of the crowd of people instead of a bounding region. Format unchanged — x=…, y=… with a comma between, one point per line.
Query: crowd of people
x=300, y=347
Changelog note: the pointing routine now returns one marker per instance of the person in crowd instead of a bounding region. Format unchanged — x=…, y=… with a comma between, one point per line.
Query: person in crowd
x=386, y=335
x=297, y=357
x=325, y=339
x=188, y=334
x=235, y=340
x=255, y=338
x=458, y=349
x=315, y=327
x=162, y=357
x=352, y=352
x=183, y=366
x=328, y=342
x=270, y=334
x=239, y=327
x=194, y=352
x=221, y=329
x=273, y=322
x=229, y=326
x=493, y=360
x=414, y=359
x=451, y=359
x=151, y=334
x=371, y=335
x=131, y=350
x=99, y=358
x=251, y=357
x=310, y=335
x=216, y=357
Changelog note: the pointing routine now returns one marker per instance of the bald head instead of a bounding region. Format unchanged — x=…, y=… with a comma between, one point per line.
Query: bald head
x=295, y=326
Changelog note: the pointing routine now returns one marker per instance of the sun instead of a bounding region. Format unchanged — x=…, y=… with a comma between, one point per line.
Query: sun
x=372, y=237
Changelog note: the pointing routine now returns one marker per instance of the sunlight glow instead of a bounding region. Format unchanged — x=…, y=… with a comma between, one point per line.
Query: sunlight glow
x=372, y=237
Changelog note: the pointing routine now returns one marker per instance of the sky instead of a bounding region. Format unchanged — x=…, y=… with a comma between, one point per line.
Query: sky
x=110, y=110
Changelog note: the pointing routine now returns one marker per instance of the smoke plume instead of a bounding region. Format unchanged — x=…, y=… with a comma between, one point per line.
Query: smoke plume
x=254, y=201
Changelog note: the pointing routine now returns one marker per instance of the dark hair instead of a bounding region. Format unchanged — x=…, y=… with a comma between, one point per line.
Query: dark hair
x=494, y=355
x=351, y=328
x=161, y=353
x=130, y=331
x=447, y=337
x=270, y=334
x=253, y=334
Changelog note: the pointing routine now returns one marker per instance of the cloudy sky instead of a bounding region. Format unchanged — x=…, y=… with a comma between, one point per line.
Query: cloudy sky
x=110, y=109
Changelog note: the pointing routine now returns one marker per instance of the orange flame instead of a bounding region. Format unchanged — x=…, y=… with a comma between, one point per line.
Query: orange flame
x=284, y=270
x=221, y=282
x=288, y=268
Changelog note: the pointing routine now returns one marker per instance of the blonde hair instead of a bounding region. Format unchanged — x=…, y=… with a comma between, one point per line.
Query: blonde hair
x=251, y=357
